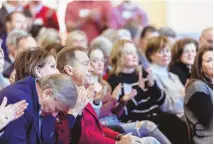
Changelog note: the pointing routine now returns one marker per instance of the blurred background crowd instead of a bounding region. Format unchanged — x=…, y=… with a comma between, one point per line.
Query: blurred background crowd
x=144, y=56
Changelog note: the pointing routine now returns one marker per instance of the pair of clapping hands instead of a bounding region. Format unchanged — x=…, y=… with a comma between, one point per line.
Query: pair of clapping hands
x=85, y=95
x=132, y=92
x=11, y=112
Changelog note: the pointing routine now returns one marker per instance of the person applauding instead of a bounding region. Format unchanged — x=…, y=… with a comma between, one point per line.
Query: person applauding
x=11, y=112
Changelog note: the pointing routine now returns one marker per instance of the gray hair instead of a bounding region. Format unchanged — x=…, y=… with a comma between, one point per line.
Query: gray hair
x=167, y=31
x=109, y=34
x=15, y=36
x=122, y=34
x=102, y=43
x=63, y=87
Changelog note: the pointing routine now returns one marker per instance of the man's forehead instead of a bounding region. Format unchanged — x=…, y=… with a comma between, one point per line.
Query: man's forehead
x=81, y=56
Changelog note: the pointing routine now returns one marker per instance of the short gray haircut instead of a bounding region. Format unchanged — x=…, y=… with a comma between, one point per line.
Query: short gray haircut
x=167, y=31
x=122, y=34
x=63, y=87
x=15, y=36
x=102, y=43
x=109, y=34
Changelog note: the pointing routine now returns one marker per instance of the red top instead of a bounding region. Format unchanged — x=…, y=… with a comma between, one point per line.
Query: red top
x=77, y=10
x=92, y=132
x=48, y=17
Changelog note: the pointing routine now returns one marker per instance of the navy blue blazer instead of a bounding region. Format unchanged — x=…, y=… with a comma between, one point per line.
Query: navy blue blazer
x=25, y=130
x=8, y=71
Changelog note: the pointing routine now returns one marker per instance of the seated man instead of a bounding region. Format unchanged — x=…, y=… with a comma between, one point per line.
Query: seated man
x=87, y=129
x=17, y=41
x=48, y=94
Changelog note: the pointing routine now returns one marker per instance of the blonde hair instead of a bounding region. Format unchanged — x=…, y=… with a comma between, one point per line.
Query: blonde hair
x=116, y=54
x=71, y=36
x=47, y=36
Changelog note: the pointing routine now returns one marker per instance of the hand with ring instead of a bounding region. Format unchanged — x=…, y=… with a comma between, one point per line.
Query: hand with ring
x=11, y=112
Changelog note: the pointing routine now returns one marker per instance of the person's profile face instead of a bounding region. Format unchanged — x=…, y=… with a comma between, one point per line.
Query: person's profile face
x=50, y=105
x=207, y=64
x=48, y=68
x=82, y=69
x=97, y=62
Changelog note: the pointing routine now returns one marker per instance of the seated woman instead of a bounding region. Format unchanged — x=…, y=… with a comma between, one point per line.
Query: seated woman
x=35, y=63
x=198, y=101
x=183, y=55
x=148, y=103
x=104, y=102
x=158, y=53
x=3, y=81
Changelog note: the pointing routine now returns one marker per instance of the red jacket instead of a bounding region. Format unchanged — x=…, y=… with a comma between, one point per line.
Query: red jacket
x=48, y=17
x=92, y=132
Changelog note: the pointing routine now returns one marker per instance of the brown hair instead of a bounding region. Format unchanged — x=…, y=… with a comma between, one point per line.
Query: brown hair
x=178, y=48
x=155, y=44
x=27, y=61
x=197, y=66
x=67, y=56
x=116, y=54
x=57, y=47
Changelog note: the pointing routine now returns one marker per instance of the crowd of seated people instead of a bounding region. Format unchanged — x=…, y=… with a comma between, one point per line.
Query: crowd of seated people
x=115, y=79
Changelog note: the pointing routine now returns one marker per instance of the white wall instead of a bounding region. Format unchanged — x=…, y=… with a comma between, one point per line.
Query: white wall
x=189, y=15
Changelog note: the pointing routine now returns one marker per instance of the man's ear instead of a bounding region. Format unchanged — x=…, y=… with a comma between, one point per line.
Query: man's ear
x=68, y=69
x=47, y=92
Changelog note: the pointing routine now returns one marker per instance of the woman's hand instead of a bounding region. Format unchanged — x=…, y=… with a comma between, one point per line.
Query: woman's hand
x=11, y=112
x=129, y=96
x=100, y=92
x=141, y=80
x=150, y=78
x=117, y=91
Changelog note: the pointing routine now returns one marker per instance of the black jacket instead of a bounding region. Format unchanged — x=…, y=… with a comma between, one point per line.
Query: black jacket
x=182, y=71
